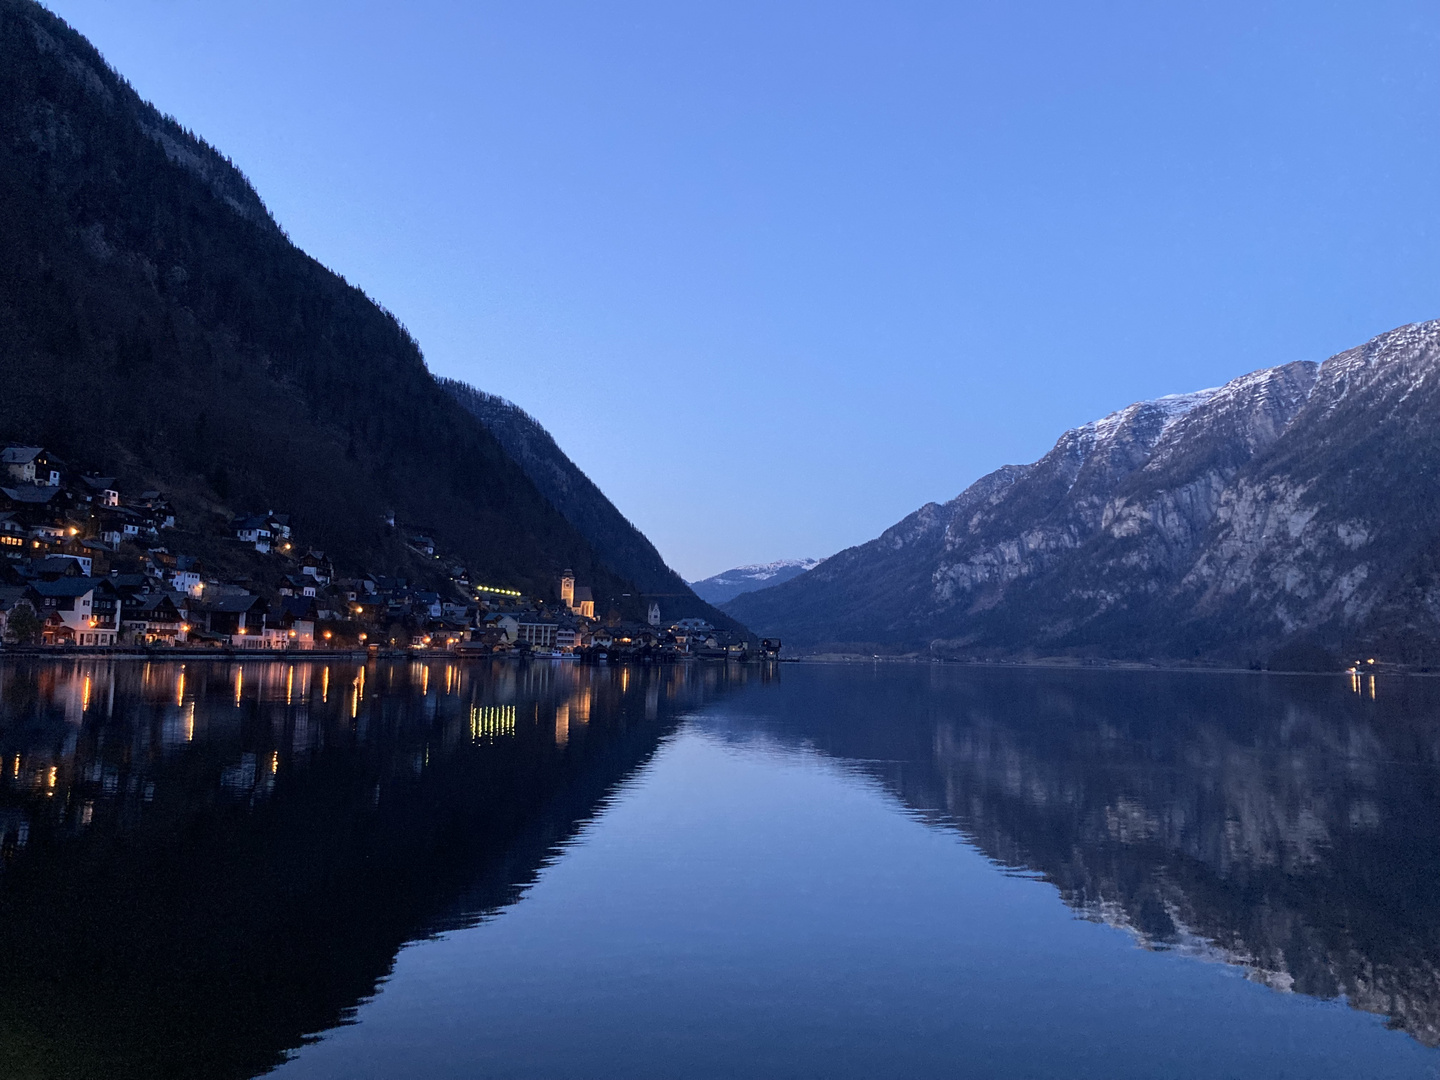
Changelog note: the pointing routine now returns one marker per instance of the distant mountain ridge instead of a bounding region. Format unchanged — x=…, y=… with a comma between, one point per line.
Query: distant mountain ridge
x=725, y=586
x=616, y=541
x=1293, y=508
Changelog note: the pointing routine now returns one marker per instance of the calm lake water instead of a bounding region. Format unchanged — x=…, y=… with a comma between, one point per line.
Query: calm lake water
x=472, y=870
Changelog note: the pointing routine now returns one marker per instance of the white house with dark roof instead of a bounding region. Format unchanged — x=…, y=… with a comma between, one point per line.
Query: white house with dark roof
x=31, y=465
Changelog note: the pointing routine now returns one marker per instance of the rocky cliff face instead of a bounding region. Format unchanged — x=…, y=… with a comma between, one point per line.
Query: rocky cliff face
x=1294, y=504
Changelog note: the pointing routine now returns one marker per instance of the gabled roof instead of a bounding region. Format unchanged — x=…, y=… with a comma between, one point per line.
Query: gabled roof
x=149, y=603
x=65, y=586
x=57, y=564
x=298, y=607
x=36, y=495
x=20, y=455
x=229, y=604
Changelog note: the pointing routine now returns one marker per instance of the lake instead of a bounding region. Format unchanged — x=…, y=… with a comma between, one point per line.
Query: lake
x=397, y=869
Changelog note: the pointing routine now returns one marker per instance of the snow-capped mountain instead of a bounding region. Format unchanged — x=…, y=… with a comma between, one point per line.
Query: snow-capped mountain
x=1292, y=508
x=719, y=588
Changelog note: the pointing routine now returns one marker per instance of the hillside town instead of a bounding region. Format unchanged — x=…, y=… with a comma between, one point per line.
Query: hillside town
x=89, y=566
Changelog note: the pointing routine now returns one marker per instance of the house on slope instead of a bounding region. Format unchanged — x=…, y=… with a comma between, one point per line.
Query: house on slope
x=31, y=465
x=76, y=610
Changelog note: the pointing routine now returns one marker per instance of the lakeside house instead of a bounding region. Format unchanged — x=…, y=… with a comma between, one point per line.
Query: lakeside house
x=94, y=567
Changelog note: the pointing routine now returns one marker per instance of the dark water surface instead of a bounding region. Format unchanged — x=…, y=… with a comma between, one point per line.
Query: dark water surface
x=465, y=870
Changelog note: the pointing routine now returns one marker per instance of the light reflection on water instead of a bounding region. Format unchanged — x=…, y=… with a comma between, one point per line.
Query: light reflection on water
x=715, y=871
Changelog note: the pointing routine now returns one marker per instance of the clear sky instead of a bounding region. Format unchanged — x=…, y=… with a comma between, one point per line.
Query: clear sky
x=775, y=274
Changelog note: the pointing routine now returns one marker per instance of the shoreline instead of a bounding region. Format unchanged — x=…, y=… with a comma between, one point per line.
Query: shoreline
x=1069, y=664
x=105, y=652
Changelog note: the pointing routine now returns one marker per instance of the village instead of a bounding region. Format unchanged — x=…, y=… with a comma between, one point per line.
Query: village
x=88, y=566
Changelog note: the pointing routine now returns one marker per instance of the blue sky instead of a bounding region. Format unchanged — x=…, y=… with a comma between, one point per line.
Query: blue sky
x=777, y=274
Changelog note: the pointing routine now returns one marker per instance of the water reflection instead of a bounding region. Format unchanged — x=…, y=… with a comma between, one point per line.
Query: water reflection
x=204, y=864
x=1288, y=825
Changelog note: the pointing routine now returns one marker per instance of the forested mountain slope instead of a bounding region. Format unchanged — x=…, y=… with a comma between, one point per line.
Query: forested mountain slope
x=157, y=324
x=619, y=544
x=1293, y=508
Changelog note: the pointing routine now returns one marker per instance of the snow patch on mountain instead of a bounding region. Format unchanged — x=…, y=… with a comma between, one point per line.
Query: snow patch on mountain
x=729, y=584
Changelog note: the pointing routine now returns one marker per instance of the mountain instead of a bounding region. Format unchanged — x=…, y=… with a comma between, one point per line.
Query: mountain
x=156, y=324
x=1287, y=515
x=616, y=542
x=723, y=587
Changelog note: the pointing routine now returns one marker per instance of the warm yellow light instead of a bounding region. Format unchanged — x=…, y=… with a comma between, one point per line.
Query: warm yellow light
x=185, y=628
x=364, y=637
x=1370, y=661
x=327, y=635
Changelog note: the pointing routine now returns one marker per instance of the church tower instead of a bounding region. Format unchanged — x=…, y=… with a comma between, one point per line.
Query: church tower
x=567, y=588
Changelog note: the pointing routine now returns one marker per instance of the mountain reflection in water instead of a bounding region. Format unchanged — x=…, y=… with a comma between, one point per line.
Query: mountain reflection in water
x=1286, y=824
x=206, y=863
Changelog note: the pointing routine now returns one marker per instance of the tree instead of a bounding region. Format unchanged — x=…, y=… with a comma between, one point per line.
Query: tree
x=23, y=626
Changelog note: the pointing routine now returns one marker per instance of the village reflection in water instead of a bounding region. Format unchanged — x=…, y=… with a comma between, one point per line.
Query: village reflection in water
x=206, y=863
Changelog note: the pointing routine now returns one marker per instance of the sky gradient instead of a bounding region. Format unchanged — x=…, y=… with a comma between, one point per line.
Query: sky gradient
x=775, y=275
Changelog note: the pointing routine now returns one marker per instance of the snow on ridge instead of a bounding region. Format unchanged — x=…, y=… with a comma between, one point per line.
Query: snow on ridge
x=764, y=571
x=758, y=571
x=1171, y=406
x=1175, y=406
